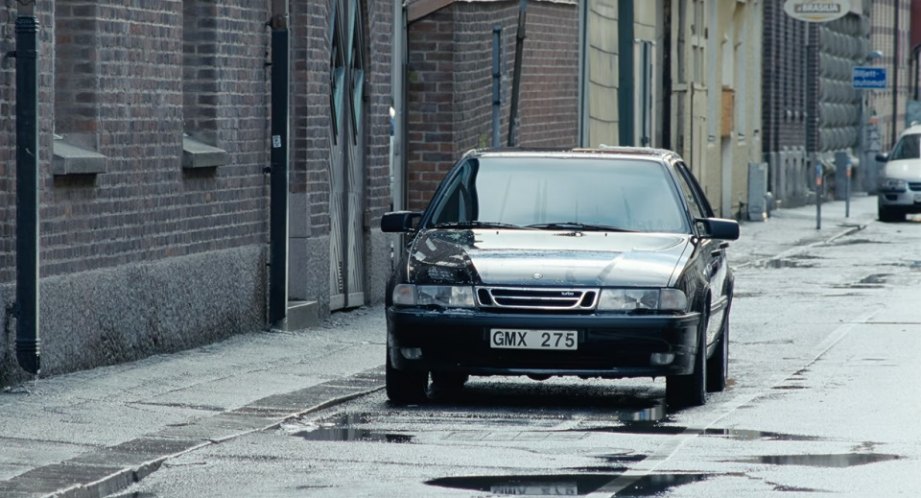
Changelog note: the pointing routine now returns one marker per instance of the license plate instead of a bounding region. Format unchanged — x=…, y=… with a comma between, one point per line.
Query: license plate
x=533, y=339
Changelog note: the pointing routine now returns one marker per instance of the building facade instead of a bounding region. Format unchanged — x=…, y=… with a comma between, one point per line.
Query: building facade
x=154, y=171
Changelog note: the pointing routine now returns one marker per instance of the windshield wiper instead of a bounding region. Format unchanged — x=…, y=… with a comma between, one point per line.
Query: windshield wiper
x=575, y=225
x=475, y=224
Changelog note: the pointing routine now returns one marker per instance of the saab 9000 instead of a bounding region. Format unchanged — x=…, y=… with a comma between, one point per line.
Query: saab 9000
x=591, y=263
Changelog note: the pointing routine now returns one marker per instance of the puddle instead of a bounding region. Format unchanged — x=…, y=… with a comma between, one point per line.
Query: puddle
x=671, y=430
x=878, y=278
x=911, y=265
x=851, y=242
x=341, y=428
x=875, y=281
x=840, y=460
x=623, y=457
x=786, y=263
x=566, y=484
x=655, y=413
x=341, y=434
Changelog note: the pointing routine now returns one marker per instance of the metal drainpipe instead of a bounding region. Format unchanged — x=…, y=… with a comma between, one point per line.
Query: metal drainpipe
x=516, y=78
x=625, y=97
x=278, y=206
x=27, y=190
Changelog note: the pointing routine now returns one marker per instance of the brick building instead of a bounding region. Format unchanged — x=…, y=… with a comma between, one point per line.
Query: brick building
x=449, y=82
x=154, y=144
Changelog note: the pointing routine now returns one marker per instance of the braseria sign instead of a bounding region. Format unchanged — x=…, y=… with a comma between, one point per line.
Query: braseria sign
x=817, y=10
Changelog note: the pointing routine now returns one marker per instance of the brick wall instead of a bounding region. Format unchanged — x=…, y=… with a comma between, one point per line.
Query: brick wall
x=377, y=181
x=118, y=70
x=449, y=106
x=430, y=147
x=550, y=77
x=144, y=206
x=310, y=119
x=7, y=150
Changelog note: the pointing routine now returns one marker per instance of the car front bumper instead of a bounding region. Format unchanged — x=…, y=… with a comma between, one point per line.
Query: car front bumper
x=609, y=346
x=909, y=200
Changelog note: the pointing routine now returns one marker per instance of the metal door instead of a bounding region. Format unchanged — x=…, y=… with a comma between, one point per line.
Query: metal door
x=347, y=155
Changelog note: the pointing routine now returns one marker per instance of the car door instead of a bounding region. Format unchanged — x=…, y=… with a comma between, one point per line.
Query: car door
x=712, y=251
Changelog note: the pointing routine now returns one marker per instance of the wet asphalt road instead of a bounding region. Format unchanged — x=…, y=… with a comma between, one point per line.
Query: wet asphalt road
x=823, y=400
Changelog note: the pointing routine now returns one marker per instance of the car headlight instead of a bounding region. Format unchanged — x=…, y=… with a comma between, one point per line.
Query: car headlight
x=642, y=299
x=446, y=296
x=894, y=184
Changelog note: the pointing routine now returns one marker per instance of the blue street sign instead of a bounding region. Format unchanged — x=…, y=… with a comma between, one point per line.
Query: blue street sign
x=868, y=77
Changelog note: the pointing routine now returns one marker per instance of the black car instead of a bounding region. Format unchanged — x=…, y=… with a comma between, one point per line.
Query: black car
x=593, y=263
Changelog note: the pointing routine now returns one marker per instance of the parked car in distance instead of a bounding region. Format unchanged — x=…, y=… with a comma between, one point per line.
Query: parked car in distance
x=585, y=262
x=900, y=183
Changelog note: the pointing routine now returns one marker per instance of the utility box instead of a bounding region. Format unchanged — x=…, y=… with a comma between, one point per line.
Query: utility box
x=757, y=192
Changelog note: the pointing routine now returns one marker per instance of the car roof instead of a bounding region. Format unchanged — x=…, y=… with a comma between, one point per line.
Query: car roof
x=661, y=155
x=914, y=129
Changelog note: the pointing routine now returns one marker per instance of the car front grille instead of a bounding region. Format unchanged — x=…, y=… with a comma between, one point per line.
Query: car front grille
x=520, y=298
x=915, y=186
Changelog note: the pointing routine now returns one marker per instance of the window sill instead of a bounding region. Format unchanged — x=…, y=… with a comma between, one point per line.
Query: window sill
x=196, y=154
x=71, y=159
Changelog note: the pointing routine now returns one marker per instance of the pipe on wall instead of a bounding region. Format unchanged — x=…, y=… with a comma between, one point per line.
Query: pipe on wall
x=27, y=193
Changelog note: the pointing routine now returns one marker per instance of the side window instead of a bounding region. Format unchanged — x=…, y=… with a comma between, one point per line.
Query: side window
x=697, y=202
x=455, y=204
x=907, y=148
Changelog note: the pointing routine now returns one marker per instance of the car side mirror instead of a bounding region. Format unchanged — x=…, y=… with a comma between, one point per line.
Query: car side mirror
x=400, y=221
x=882, y=157
x=719, y=228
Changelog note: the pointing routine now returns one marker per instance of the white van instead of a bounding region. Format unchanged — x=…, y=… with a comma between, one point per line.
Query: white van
x=900, y=181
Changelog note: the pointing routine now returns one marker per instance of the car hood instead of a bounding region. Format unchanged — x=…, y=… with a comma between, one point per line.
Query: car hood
x=547, y=258
x=904, y=169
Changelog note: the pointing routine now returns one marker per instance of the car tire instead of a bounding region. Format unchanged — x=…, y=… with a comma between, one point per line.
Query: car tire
x=449, y=380
x=718, y=364
x=448, y=383
x=889, y=214
x=691, y=390
x=405, y=387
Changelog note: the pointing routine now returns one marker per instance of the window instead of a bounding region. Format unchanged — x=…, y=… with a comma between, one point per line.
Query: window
x=909, y=147
x=76, y=91
x=200, y=91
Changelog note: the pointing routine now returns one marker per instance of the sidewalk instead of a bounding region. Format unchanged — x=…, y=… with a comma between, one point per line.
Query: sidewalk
x=95, y=432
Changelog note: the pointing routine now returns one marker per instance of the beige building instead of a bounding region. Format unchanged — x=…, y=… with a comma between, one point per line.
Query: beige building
x=691, y=82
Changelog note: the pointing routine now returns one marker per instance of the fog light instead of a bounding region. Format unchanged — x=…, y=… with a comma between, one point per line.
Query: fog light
x=660, y=359
x=411, y=353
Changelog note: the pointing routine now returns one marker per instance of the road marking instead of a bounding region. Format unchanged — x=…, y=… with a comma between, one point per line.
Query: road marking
x=671, y=447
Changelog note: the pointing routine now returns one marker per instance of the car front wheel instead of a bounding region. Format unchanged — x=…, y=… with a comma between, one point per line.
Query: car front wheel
x=405, y=387
x=691, y=390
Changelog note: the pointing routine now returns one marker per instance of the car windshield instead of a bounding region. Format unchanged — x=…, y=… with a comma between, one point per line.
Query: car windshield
x=909, y=147
x=556, y=193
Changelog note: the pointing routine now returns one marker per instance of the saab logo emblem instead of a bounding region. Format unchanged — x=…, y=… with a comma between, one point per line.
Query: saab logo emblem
x=538, y=276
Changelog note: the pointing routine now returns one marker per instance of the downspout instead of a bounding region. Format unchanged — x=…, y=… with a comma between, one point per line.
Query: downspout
x=625, y=92
x=516, y=78
x=895, y=72
x=27, y=191
x=278, y=191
